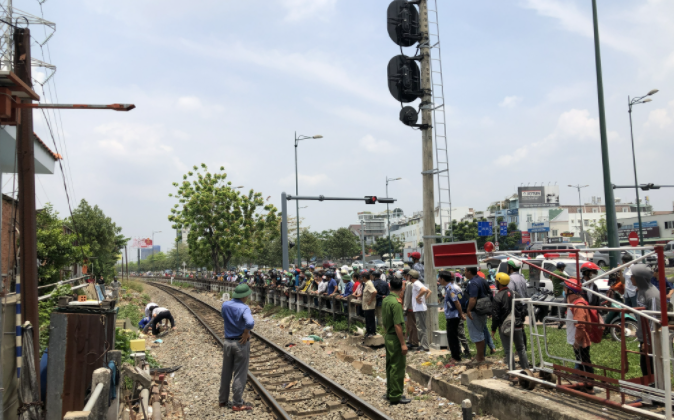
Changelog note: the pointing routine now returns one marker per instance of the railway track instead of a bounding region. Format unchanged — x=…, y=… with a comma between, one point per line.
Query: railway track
x=289, y=388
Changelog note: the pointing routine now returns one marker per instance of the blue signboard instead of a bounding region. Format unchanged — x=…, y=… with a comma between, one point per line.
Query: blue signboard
x=484, y=229
x=504, y=229
x=646, y=224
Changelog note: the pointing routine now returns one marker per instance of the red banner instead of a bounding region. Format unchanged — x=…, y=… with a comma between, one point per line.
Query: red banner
x=526, y=237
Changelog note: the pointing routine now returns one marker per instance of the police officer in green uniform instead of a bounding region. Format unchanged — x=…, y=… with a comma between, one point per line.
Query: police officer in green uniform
x=396, y=350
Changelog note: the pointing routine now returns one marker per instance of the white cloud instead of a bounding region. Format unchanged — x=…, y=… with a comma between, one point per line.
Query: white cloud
x=659, y=117
x=189, y=102
x=572, y=125
x=305, y=9
x=370, y=144
x=133, y=141
x=510, y=102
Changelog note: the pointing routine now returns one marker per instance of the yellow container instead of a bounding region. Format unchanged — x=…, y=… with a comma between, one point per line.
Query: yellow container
x=137, y=345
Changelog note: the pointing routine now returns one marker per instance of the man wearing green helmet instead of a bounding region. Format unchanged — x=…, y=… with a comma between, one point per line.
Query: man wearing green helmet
x=517, y=283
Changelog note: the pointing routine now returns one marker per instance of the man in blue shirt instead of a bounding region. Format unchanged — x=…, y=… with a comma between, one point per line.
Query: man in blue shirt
x=236, y=350
x=477, y=289
x=453, y=312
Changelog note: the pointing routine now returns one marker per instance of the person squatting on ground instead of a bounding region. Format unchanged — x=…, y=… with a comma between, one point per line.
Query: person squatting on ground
x=394, y=341
x=419, y=295
x=577, y=333
x=238, y=321
x=502, y=320
x=410, y=321
x=369, y=304
x=453, y=312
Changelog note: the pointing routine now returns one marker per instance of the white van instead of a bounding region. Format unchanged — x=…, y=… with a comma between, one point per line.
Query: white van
x=669, y=253
x=560, y=247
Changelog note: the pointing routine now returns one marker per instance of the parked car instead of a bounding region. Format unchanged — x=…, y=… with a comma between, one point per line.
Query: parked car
x=560, y=247
x=376, y=264
x=329, y=264
x=541, y=279
x=493, y=261
x=357, y=265
x=397, y=263
x=669, y=253
x=601, y=258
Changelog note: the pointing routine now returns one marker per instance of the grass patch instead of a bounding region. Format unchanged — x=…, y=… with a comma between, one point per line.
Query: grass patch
x=607, y=353
x=183, y=285
x=133, y=285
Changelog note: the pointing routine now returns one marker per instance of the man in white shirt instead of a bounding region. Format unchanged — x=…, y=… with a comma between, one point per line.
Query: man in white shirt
x=630, y=288
x=158, y=315
x=419, y=295
x=148, y=309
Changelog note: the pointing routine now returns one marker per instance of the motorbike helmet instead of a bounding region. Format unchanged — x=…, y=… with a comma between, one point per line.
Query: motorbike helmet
x=561, y=265
x=503, y=279
x=572, y=284
x=515, y=264
x=589, y=266
x=626, y=257
x=415, y=256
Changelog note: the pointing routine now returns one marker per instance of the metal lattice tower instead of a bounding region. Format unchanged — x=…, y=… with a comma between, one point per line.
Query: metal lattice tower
x=439, y=118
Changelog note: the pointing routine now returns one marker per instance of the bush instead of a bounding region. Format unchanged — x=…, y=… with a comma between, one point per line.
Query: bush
x=133, y=312
x=133, y=285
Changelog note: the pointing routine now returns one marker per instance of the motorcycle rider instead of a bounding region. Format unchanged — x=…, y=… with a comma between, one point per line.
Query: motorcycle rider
x=517, y=281
x=557, y=283
x=589, y=271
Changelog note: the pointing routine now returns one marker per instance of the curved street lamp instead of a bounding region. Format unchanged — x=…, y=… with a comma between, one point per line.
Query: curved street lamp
x=630, y=103
x=297, y=193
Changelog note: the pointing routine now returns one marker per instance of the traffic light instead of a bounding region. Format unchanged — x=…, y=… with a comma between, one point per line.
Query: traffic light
x=386, y=200
x=403, y=23
x=647, y=187
x=291, y=244
x=370, y=199
x=404, y=77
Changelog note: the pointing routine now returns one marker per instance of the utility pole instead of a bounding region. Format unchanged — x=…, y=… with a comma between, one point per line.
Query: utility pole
x=362, y=239
x=139, y=271
x=126, y=257
x=27, y=211
x=611, y=220
x=427, y=168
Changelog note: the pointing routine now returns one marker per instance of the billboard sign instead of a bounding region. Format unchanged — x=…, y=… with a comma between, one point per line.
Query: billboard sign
x=526, y=237
x=539, y=226
x=649, y=233
x=538, y=197
x=141, y=243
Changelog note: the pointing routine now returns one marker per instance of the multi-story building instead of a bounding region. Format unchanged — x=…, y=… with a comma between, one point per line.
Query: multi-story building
x=146, y=252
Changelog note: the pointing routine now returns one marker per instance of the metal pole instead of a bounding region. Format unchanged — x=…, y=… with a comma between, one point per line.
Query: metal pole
x=284, y=230
x=297, y=206
x=27, y=211
x=496, y=227
x=388, y=217
x=126, y=256
x=611, y=222
x=427, y=168
x=152, y=265
x=580, y=206
x=665, y=340
x=362, y=239
x=636, y=183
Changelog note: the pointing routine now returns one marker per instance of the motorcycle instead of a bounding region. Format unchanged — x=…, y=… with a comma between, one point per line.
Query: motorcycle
x=541, y=311
x=613, y=317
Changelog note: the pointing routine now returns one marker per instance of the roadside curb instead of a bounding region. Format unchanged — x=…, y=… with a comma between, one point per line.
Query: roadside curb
x=503, y=401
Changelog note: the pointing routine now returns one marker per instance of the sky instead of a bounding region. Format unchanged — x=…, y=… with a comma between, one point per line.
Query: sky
x=229, y=83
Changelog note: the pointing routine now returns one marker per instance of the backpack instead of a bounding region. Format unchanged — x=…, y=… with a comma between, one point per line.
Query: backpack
x=484, y=304
x=464, y=298
x=595, y=332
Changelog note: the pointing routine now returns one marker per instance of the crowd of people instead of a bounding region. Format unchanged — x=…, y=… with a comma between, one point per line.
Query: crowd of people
x=397, y=298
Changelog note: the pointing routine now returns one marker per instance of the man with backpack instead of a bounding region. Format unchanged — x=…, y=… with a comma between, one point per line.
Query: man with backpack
x=503, y=321
x=479, y=306
x=579, y=334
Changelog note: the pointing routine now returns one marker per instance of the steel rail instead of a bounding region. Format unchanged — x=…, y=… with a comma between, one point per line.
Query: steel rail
x=266, y=397
x=361, y=407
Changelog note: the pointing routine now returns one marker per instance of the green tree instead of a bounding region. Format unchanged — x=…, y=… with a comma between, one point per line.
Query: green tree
x=342, y=244
x=598, y=232
x=223, y=222
x=56, y=249
x=310, y=245
x=383, y=246
x=101, y=235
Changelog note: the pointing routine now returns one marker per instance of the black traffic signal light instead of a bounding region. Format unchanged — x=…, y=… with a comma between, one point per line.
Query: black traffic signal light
x=647, y=187
x=404, y=79
x=402, y=21
x=370, y=199
x=386, y=200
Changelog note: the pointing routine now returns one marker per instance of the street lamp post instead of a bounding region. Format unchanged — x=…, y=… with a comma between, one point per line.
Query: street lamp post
x=580, y=204
x=630, y=104
x=153, y=232
x=297, y=192
x=388, y=217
